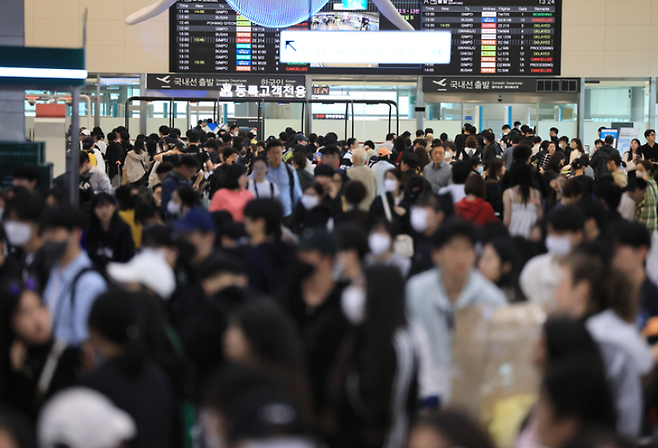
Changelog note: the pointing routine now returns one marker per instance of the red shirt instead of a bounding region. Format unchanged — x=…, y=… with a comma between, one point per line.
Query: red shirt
x=231, y=201
x=478, y=211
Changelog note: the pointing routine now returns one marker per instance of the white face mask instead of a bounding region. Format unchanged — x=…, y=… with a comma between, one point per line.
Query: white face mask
x=18, y=233
x=353, y=304
x=173, y=208
x=379, y=243
x=390, y=185
x=480, y=169
x=449, y=154
x=560, y=246
x=309, y=201
x=418, y=219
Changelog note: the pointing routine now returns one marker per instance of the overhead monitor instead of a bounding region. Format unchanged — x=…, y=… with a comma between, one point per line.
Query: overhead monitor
x=439, y=37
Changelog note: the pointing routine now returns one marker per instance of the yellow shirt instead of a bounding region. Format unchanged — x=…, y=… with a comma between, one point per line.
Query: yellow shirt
x=129, y=217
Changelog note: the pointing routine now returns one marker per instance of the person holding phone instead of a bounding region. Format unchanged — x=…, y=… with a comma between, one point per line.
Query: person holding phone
x=632, y=157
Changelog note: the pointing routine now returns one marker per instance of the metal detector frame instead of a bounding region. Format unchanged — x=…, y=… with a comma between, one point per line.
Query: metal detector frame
x=262, y=101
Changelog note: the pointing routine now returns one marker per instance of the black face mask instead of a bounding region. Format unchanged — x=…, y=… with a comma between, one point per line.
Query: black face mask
x=186, y=252
x=53, y=251
x=303, y=270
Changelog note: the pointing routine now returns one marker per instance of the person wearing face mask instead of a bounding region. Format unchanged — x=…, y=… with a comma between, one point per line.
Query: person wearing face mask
x=21, y=224
x=450, y=151
x=313, y=301
x=645, y=212
x=182, y=201
x=311, y=211
x=97, y=178
x=425, y=217
x=196, y=233
x=73, y=285
x=381, y=167
x=382, y=253
x=433, y=297
x=393, y=204
x=541, y=275
x=375, y=391
x=38, y=365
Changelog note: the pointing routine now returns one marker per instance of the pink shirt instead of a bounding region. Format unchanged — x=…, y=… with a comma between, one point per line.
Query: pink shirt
x=231, y=201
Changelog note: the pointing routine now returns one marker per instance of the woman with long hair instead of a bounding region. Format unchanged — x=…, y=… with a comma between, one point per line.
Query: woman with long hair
x=34, y=365
x=137, y=164
x=554, y=167
x=260, y=335
x=373, y=388
x=109, y=238
x=124, y=371
x=501, y=263
x=522, y=202
x=632, y=157
x=577, y=150
x=645, y=211
x=471, y=149
x=234, y=194
x=493, y=177
x=396, y=208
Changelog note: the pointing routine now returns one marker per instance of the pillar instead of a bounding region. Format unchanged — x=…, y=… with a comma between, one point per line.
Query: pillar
x=12, y=103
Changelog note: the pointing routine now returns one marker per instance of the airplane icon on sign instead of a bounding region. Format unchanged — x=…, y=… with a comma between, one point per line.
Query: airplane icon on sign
x=442, y=84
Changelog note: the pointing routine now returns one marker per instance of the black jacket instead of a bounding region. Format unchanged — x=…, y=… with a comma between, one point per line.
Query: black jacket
x=147, y=398
x=599, y=162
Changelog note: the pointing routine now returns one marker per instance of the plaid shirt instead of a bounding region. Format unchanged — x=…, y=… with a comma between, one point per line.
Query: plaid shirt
x=646, y=212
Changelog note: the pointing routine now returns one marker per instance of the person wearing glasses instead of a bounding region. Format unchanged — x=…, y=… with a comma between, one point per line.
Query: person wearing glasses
x=650, y=149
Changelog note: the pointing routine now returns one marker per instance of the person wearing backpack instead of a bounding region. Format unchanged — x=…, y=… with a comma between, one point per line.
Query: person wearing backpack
x=285, y=178
x=73, y=284
x=259, y=186
x=491, y=149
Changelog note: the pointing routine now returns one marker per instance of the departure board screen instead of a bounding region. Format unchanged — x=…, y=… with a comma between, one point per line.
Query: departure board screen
x=423, y=37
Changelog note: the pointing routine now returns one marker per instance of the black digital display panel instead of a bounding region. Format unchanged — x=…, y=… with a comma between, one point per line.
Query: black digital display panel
x=505, y=38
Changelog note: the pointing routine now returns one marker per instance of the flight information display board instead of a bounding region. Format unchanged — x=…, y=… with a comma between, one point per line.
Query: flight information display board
x=450, y=37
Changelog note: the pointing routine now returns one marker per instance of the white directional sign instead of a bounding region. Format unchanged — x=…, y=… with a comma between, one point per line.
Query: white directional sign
x=363, y=47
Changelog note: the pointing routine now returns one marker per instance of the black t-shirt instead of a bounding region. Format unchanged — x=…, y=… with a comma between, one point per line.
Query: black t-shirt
x=650, y=153
x=322, y=330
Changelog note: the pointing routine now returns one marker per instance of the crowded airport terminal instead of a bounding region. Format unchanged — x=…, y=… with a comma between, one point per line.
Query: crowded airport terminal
x=328, y=224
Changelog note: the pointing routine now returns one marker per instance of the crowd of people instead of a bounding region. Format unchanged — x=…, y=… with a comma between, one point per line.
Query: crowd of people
x=221, y=291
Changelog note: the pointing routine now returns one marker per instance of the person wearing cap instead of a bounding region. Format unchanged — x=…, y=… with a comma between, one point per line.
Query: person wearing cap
x=380, y=167
x=439, y=172
x=313, y=301
x=83, y=418
x=234, y=195
x=232, y=415
x=121, y=337
x=435, y=296
x=147, y=272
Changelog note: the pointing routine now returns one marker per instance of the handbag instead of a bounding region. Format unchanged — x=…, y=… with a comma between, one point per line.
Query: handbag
x=403, y=244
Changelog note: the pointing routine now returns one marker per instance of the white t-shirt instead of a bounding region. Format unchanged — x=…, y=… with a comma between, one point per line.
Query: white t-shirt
x=101, y=146
x=263, y=190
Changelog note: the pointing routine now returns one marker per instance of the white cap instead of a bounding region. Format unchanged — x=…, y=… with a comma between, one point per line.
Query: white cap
x=83, y=418
x=149, y=268
x=86, y=132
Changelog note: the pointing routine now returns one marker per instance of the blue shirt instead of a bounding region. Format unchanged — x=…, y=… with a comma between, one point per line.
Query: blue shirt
x=70, y=319
x=280, y=177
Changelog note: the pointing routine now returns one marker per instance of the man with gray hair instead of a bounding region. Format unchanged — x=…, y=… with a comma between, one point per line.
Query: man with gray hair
x=363, y=174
